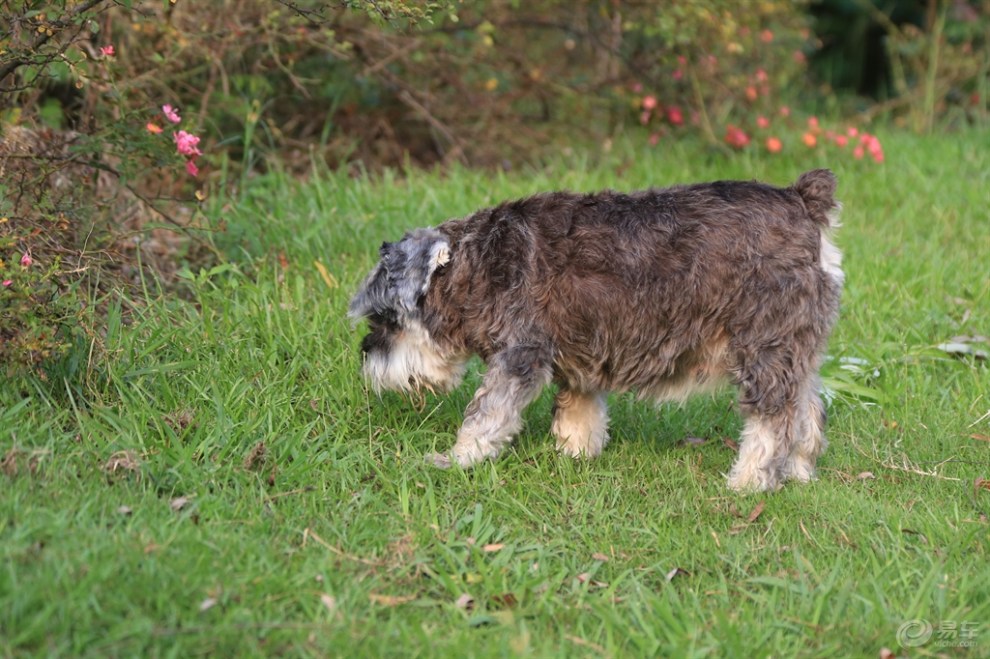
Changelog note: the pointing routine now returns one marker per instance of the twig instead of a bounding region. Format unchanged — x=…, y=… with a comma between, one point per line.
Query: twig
x=308, y=533
x=909, y=468
x=43, y=38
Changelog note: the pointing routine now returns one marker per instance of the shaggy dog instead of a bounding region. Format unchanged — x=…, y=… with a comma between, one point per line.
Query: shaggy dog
x=666, y=292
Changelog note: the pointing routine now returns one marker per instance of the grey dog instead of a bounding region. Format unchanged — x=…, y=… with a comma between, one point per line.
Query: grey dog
x=665, y=292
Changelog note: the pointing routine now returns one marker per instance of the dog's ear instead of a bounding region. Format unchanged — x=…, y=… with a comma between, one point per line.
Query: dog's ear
x=402, y=276
x=423, y=252
x=372, y=296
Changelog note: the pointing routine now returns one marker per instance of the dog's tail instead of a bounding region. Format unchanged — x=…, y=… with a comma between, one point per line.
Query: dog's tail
x=817, y=189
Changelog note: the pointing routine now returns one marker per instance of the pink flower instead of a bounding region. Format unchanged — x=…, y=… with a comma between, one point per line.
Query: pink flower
x=192, y=168
x=186, y=143
x=637, y=87
x=774, y=145
x=26, y=260
x=858, y=152
x=649, y=102
x=108, y=50
x=809, y=140
x=654, y=138
x=813, y=123
x=852, y=132
x=171, y=114
x=841, y=140
x=785, y=111
x=762, y=122
x=7, y=283
x=153, y=128
x=761, y=75
x=736, y=137
x=644, y=117
x=678, y=74
x=766, y=36
x=674, y=115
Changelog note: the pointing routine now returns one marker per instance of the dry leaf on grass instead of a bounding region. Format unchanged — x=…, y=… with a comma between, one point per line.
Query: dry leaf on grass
x=465, y=602
x=492, y=547
x=979, y=437
x=981, y=484
x=694, y=441
x=731, y=443
x=122, y=461
x=9, y=463
x=676, y=572
x=329, y=601
x=756, y=512
x=124, y=510
x=598, y=556
x=585, y=577
x=507, y=600
x=865, y=475
x=207, y=604
x=390, y=600
x=178, y=503
x=255, y=458
x=886, y=653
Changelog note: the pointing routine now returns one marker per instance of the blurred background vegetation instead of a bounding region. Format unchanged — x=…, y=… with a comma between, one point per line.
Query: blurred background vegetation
x=100, y=185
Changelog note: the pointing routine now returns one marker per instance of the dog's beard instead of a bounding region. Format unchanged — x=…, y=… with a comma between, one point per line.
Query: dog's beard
x=412, y=362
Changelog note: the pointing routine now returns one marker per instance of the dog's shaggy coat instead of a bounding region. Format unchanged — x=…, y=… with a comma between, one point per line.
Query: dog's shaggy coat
x=665, y=292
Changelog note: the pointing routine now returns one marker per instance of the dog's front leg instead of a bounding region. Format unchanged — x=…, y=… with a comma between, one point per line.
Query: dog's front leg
x=515, y=377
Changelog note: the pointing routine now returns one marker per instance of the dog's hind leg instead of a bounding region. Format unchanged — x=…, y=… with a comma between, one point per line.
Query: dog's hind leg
x=515, y=377
x=580, y=423
x=810, y=442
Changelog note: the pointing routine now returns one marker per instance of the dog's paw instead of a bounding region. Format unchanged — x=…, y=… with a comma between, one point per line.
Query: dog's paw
x=440, y=460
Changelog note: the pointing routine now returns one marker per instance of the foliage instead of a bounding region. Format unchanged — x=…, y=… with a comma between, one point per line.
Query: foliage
x=223, y=482
x=925, y=60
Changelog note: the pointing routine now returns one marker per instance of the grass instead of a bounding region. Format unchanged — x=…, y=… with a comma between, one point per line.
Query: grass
x=220, y=481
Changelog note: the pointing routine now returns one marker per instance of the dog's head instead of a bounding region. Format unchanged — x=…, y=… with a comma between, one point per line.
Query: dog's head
x=399, y=353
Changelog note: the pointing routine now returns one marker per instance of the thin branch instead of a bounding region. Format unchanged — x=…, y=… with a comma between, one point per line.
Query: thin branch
x=42, y=39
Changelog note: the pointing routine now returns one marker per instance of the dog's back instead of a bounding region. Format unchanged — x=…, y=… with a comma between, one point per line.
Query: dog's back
x=662, y=291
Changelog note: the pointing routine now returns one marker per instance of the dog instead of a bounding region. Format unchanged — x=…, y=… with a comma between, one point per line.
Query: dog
x=666, y=292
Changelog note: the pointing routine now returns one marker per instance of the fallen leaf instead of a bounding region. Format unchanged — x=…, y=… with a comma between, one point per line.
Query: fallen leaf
x=329, y=601
x=756, y=512
x=585, y=577
x=124, y=510
x=885, y=653
x=977, y=338
x=255, y=457
x=508, y=600
x=9, y=463
x=178, y=503
x=978, y=436
x=465, y=602
x=207, y=604
x=865, y=475
x=963, y=350
x=598, y=556
x=981, y=484
x=122, y=461
x=676, y=572
x=492, y=547
x=328, y=278
x=390, y=600
x=730, y=443
x=694, y=441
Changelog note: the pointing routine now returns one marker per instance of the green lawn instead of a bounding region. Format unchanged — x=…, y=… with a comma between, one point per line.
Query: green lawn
x=217, y=479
